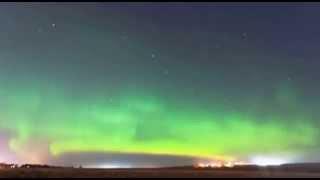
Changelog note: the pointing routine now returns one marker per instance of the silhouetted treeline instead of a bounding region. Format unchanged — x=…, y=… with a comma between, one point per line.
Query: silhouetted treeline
x=7, y=166
x=38, y=166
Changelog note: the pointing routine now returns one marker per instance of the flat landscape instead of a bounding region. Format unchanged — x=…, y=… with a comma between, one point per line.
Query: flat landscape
x=140, y=173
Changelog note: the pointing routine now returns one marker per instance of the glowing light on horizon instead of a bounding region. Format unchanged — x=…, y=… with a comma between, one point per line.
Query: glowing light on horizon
x=210, y=165
x=220, y=164
x=109, y=166
x=268, y=161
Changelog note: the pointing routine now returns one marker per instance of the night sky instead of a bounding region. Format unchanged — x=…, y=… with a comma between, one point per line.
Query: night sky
x=120, y=84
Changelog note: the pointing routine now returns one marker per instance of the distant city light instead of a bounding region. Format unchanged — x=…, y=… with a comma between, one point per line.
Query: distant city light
x=108, y=166
x=241, y=163
x=229, y=164
x=267, y=161
x=209, y=165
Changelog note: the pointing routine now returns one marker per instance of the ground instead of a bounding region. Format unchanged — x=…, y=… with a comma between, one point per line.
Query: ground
x=182, y=173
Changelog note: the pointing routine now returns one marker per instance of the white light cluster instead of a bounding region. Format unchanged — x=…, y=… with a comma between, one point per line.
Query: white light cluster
x=221, y=164
x=108, y=166
x=209, y=165
x=267, y=161
x=228, y=164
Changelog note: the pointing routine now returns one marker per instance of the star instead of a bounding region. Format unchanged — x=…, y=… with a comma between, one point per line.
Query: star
x=53, y=25
x=244, y=35
x=124, y=37
x=39, y=30
x=153, y=57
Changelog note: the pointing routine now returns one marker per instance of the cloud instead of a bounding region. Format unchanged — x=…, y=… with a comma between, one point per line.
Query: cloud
x=114, y=159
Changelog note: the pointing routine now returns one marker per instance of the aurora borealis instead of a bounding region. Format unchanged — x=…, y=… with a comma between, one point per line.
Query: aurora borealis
x=182, y=81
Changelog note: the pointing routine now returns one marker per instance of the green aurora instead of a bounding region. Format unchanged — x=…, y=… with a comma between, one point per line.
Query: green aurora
x=202, y=81
x=136, y=122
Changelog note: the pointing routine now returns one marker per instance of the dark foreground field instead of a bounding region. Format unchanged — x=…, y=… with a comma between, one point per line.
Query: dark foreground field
x=178, y=173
